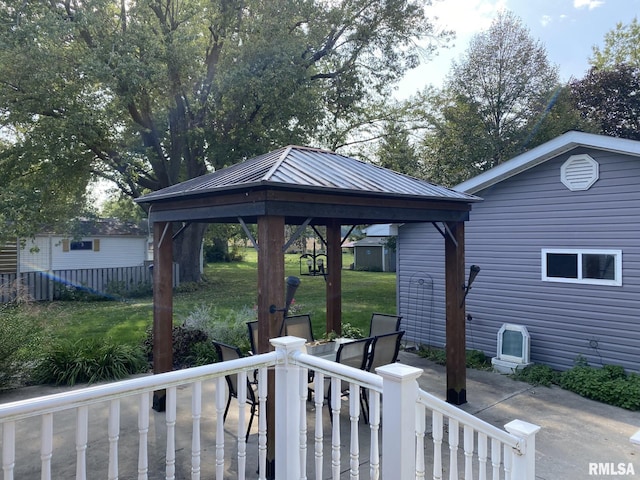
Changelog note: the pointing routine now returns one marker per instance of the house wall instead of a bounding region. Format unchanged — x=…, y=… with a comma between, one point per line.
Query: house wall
x=368, y=256
x=45, y=253
x=505, y=235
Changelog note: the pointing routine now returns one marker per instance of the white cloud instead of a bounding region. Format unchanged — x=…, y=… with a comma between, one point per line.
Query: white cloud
x=590, y=4
x=466, y=17
x=545, y=20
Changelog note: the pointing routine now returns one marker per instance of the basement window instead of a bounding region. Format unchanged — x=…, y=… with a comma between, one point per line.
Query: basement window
x=596, y=267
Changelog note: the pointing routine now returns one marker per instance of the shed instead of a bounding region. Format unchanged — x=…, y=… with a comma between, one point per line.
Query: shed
x=374, y=254
x=556, y=238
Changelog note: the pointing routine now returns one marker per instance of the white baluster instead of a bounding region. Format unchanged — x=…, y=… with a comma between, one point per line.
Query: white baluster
x=82, y=436
x=495, y=458
x=453, y=448
x=354, y=416
x=468, y=452
x=196, y=414
x=482, y=456
x=8, y=449
x=336, y=386
x=242, y=421
x=113, y=432
x=170, y=413
x=262, y=424
x=420, y=429
x=374, y=426
x=304, y=388
x=318, y=389
x=46, y=446
x=508, y=457
x=221, y=400
x=437, y=432
x=143, y=435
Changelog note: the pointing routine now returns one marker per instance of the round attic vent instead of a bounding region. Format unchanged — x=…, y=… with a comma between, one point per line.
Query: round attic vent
x=579, y=172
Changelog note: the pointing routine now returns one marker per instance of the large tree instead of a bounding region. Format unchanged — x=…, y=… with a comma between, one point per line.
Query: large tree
x=495, y=99
x=610, y=100
x=148, y=93
x=621, y=46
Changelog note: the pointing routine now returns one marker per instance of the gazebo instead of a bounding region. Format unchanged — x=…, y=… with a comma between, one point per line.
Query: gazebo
x=308, y=187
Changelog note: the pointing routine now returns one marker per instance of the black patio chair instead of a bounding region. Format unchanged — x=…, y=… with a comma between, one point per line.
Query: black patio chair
x=299, y=326
x=229, y=352
x=253, y=336
x=384, y=350
x=354, y=354
x=382, y=323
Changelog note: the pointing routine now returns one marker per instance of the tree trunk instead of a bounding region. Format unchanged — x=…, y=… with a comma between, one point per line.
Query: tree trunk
x=186, y=251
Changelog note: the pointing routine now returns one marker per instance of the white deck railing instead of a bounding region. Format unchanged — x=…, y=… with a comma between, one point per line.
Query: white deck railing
x=110, y=429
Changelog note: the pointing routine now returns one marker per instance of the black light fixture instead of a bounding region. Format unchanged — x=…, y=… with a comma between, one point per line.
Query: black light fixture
x=473, y=273
x=292, y=285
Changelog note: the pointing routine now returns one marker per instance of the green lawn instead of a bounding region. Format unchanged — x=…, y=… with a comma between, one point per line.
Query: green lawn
x=229, y=286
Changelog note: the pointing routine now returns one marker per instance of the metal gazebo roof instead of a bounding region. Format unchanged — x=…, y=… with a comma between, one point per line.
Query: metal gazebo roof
x=304, y=179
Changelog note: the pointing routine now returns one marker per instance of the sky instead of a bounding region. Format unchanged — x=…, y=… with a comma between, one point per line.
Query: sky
x=567, y=28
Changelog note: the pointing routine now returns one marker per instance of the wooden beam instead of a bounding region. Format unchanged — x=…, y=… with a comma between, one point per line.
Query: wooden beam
x=162, y=305
x=334, y=277
x=455, y=328
x=270, y=292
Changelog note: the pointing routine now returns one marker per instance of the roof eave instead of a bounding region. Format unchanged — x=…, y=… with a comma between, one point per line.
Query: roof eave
x=544, y=152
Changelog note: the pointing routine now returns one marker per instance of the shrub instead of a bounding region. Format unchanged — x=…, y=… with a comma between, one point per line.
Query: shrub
x=474, y=358
x=230, y=329
x=537, y=374
x=68, y=363
x=191, y=347
x=609, y=384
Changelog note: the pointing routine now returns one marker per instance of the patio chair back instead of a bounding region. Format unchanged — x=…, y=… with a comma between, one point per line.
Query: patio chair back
x=384, y=350
x=229, y=352
x=382, y=323
x=253, y=336
x=354, y=354
x=299, y=326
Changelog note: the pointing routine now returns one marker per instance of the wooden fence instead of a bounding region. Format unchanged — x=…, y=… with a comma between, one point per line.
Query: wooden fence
x=60, y=284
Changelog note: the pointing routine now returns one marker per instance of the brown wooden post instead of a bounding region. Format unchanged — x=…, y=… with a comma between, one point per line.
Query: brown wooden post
x=334, y=278
x=270, y=292
x=162, y=305
x=455, y=328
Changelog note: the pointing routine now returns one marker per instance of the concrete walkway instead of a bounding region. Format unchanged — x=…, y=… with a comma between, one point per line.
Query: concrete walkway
x=575, y=431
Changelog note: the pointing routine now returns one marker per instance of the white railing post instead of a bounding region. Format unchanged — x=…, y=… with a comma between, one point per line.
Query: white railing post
x=287, y=409
x=399, y=396
x=524, y=466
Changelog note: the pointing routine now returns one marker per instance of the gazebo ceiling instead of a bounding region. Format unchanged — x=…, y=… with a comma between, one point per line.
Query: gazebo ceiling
x=300, y=183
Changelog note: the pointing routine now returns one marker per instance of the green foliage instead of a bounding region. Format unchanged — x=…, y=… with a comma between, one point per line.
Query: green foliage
x=348, y=331
x=19, y=336
x=119, y=289
x=496, y=101
x=474, y=358
x=88, y=361
x=191, y=347
x=610, y=100
x=620, y=46
x=609, y=384
x=537, y=374
x=230, y=328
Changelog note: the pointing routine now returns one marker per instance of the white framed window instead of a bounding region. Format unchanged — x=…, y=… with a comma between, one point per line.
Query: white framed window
x=596, y=267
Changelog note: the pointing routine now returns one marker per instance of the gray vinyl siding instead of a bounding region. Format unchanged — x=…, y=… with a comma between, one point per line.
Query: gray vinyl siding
x=505, y=235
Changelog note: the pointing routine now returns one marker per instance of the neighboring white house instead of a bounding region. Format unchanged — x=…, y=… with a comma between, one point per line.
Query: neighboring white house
x=102, y=243
x=557, y=238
